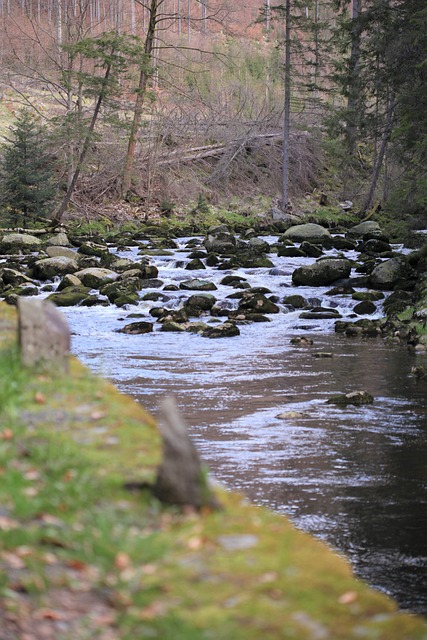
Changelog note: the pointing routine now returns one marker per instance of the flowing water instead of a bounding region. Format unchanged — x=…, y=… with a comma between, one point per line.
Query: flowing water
x=355, y=477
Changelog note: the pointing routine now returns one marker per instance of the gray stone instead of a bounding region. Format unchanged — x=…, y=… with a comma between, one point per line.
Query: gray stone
x=387, y=274
x=236, y=542
x=49, y=268
x=69, y=280
x=197, y=285
x=225, y=330
x=54, y=251
x=93, y=249
x=19, y=243
x=366, y=307
x=360, y=230
x=310, y=232
x=95, y=277
x=220, y=240
x=180, y=477
x=44, y=336
x=58, y=240
x=322, y=273
x=14, y=277
x=137, y=328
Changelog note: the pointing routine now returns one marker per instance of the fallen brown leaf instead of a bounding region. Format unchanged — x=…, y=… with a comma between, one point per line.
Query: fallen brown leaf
x=348, y=597
x=39, y=398
x=122, y=561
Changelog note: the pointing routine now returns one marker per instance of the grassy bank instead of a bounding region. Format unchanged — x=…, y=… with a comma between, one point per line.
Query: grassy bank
x=81, y=558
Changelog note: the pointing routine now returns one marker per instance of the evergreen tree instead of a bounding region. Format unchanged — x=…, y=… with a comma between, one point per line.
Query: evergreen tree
x=382, y=71
x=26, y=180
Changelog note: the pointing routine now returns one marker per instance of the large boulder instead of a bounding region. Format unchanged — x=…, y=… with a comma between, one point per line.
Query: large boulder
x=19, y=243
x=14, y=277
x=309, y=232
x=54, y=251
x=255, y=246
x=49, y=268
x=363, y=229
x=220, y=240
x=95, y=277
x=58, y=240
x=387, y=274
x=324, y=272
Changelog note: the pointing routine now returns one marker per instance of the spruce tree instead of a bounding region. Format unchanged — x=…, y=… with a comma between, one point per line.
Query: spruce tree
x=27, y=178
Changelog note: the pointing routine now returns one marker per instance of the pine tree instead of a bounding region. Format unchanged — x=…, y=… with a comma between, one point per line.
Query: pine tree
x=27, y=178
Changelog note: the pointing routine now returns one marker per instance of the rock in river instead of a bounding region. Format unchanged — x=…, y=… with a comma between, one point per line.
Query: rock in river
x=48, y=268
x=322, y=273
x=356, y=398
x=136, y=328
x=313, y=233
x=19, y=243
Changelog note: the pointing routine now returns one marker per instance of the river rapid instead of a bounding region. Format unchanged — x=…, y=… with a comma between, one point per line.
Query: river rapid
x=355, y=477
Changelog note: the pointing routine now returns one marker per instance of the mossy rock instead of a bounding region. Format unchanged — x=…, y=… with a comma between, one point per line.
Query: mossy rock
x=19, y=243
x=365, y=307
x=194, y=265
x=125, y=299
x=225, y=330
x=256, y=262
x=200, y=302
x=93, y=249
x=373, y=296
x=360, y=230
x=197, y=285
x=356, y=398
x=14, y=277
x=173, y=326
x=258, y=303
x=322, y=273
x=310, y=249
x=137, y=328
x=69, y=297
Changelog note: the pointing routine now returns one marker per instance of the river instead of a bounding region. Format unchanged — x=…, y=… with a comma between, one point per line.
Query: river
x=355, y=477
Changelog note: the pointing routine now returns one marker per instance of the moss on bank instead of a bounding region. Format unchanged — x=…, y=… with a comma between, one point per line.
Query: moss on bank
x=82, y=558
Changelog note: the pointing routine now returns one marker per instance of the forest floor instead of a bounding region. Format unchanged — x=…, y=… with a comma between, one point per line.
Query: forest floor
x=82, y=558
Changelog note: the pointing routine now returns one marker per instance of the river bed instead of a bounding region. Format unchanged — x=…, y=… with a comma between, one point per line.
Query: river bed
x=355, y=477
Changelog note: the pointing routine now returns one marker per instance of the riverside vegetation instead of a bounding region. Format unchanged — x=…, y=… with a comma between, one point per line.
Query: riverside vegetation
x=82, y=557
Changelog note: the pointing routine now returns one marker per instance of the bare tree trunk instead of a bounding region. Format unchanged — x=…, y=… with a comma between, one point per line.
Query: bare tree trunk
x=380, y=158
x=132, y=17
x=354, y=84
x=146, y=70
x=189, y=21
x=179, y=17
x=267, y=14
x=85, y=149
x=287, y=109
x=204, y=15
